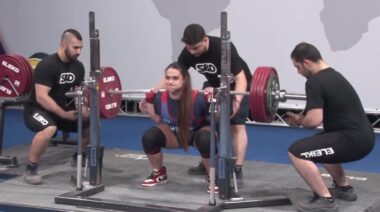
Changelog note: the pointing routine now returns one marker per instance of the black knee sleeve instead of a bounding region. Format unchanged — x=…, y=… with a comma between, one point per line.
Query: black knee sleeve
x=153, y=140
x=202, y=140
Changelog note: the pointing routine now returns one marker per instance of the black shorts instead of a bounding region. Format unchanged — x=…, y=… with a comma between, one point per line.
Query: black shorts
x=330, y=147
x=241, y=115
x=37, y=119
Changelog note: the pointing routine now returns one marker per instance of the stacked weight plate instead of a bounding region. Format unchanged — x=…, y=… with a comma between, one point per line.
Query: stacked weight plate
x=15, y=75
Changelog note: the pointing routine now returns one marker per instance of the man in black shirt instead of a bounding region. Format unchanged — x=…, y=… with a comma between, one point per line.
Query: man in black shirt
x=347, y=133
x=47, y=108
x=203, y=53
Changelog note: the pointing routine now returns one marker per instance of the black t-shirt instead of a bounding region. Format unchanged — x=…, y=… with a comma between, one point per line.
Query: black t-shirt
x=342, y=108
x=209, y=63
x=59, y=76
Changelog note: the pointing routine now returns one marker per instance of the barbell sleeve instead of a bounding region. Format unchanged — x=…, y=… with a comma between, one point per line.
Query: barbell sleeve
x=282, y=96
x=294, y=96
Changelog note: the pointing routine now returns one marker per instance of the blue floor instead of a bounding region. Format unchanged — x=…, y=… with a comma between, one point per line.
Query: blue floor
x=267, y=144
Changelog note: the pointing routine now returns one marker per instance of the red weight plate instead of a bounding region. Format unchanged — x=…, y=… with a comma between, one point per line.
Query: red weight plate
x=12, y=71
x=109, y=104
x=270, y=73
x=28, y=70
x=254, y=104
x=261, y=95
x=258, y=95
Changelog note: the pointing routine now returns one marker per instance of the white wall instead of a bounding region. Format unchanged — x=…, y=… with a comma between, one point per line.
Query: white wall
x=140, y=37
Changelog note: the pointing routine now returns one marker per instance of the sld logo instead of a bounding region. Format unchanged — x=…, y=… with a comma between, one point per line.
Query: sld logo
x=206, y=68
x=66, y=78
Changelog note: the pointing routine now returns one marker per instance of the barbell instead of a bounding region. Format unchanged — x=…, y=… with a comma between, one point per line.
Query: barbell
x=264, y=93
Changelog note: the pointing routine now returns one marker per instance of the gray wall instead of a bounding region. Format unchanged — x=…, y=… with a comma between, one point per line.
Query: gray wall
x=140, y=37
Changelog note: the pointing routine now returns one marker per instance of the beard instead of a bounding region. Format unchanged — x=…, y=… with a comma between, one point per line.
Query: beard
x=70, y=56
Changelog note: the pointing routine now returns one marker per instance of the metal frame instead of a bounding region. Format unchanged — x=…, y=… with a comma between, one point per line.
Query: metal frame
x=228, y=193
x=10, y=161
x=81, y=196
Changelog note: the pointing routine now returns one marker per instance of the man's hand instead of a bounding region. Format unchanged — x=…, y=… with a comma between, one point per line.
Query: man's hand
x=294, y=119
x=143, y=105
x=71, y=115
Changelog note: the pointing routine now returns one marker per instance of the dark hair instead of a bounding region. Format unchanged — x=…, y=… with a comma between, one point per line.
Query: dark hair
x=73, y=32
x=304, y=51
x=193, y=34
x=184, y=113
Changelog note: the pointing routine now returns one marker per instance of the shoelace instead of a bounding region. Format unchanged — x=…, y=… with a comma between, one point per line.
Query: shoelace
x=153, y=174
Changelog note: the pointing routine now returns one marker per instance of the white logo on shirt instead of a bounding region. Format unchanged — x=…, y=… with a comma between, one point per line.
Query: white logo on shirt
x=206, y=68
x=66, y=78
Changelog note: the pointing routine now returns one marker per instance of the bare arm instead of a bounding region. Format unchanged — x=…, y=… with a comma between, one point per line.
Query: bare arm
x=43, y=98
x=148, y=108
x=240, y=86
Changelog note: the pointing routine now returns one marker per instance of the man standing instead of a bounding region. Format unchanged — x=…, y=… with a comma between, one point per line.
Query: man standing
x=347, y=133
x=203, y=53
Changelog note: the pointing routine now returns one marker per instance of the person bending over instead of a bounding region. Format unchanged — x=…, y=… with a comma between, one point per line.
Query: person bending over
x=181, y=116
x=203, y=53
x=48, y=109
x=347, y=133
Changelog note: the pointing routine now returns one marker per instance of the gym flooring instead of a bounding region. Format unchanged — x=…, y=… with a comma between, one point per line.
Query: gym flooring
x=267, y=172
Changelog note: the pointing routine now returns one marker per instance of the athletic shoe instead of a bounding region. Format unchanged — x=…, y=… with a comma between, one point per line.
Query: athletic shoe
x=197, y=170
x=31, y=176
x=318, y=204
x=346, y=193
x=157, y=177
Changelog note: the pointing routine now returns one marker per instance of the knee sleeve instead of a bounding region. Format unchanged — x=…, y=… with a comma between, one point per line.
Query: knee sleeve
x=202, y=141
x=153, y=140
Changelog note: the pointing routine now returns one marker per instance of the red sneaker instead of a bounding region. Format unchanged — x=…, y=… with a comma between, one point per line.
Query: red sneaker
x=157, y=177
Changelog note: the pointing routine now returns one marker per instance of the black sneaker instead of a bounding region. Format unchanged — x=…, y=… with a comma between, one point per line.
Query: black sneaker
x=74, y=160
x=318, y=204
x=31, y=175
x=197, y=170
x=346, y=193
x=239, y=176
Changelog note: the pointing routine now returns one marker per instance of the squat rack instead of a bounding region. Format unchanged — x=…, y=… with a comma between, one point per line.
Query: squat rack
x=228, y=196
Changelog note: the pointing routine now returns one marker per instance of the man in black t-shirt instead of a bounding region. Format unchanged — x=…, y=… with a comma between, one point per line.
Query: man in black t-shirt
x=347, y=133
x=47, y=108
x=203, y=53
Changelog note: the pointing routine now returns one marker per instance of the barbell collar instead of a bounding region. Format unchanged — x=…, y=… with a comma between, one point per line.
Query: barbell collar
x=282, y=96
